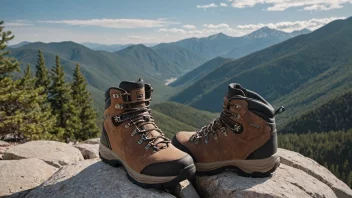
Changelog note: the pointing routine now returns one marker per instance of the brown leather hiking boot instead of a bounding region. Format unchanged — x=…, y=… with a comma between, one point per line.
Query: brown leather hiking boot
x=131, y=138
x=243, y=137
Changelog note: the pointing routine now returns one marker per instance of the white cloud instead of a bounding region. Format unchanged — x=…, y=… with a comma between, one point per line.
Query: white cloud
x=212, y=5
x=223, y=5
x=18, y=23
x=116, y=23
x=189, y=27
x=289, y=26
x=281, y=5
x=212, y=26
x=173, y=30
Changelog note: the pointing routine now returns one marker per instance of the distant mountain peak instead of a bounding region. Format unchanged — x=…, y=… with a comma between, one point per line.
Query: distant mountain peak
x=265, y=32
x=20, y=44
x=218, y=35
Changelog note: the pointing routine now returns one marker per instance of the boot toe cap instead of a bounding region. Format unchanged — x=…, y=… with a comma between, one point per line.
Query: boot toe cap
x=178, y=141
x=169, y=168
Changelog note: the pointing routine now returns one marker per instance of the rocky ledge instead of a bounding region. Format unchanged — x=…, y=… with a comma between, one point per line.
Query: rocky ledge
x=54, y=169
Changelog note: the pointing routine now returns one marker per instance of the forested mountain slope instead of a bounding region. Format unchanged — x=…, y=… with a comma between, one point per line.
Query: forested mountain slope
x=335, y=115
x=199, y=72
x=278, y=70
x=185, y=59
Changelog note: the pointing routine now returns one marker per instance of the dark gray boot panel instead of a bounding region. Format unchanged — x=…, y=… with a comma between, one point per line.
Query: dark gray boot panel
x=267, y=150
x=104, y=139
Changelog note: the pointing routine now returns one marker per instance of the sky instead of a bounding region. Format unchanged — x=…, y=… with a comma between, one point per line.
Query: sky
x=156, y=21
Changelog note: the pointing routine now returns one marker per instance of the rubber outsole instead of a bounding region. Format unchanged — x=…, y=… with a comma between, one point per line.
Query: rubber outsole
x=239, y=171
x=184, y=174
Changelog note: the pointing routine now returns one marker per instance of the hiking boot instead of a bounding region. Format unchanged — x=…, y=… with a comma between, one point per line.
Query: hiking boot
x=242, y=138
x=132, y=139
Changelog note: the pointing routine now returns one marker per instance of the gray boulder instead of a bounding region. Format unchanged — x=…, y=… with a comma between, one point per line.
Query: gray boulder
x=315, y=170
x=21, y=175
x=92, y=178
x=285, y=182
x=89, y=151
x=54, y=153
x=92, y=141
x=185, y=189
x=4, y=144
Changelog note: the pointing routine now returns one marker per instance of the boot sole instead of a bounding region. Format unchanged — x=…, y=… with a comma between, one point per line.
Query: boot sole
x=246, y=168
x=145, y=181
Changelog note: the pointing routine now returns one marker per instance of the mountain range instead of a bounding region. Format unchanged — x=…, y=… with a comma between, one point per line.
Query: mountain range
x=103, y=68
x=300, y=73
x=111, y=48
x=235, y=47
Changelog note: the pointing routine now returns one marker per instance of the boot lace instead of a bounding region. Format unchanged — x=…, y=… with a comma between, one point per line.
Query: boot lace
x=143, y=118
x=222, y=123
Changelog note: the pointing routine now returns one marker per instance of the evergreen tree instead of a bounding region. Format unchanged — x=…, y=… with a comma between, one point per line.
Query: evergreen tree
x=42, y=73
x=83, y=100
x=62, y=105
x=20, y=112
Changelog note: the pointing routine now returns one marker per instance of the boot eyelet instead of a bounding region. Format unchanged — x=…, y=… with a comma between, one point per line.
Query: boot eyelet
x=118, y=106
x=116, y=95
x=237, y=116
x=223, y=131
x=237, y=129
x=140, y=141
x=134, y=133
x=147, y=147
x=237, y=106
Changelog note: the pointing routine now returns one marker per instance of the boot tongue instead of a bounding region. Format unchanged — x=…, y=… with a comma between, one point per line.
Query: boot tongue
x=235, y=89
x=136, y=90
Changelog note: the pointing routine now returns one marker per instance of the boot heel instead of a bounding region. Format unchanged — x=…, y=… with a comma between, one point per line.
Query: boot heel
x=259, y=174
x=107, y=156
x=247, y=168
x=258, y=167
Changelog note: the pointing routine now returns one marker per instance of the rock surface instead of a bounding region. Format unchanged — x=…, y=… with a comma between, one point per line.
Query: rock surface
x=89, y=151
x=285, y=182
x=312, y=168
x=54, y=153
x=185, y=189
x=2, y=151
x=4, y=144
x=92, y=141
x=21, y=175
x=92, y=178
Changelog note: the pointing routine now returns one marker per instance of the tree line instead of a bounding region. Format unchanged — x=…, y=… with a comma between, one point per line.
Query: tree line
x=330, y=149
x=43, y=106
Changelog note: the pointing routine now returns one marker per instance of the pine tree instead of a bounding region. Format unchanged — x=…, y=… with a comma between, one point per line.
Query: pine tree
x=62, y=105
x=42, y=73
x=83, y=100
x=20, y=112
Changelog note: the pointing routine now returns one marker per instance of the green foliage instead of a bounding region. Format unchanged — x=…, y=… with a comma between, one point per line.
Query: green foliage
x=42, y=73
x=185, y=59
x=67, y=115
x=185, y=114
x=335, y=115
x=199, y=72
x=331, y=149
x=83, y=102
x=173, y=117
x=169, y=125
x=20, y=112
